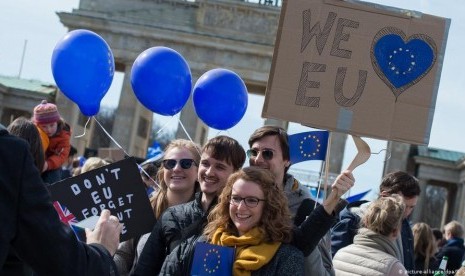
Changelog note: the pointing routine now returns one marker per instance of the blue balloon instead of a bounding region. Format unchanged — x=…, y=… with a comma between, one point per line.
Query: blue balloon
x=161, y=80
x=83, y=68
x=220, y=98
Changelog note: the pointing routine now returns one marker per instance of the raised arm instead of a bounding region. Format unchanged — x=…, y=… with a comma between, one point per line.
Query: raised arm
x=318, y=223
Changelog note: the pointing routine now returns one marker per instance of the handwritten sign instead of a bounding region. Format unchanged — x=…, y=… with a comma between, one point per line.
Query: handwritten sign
x=117, y=187
x=357, y=68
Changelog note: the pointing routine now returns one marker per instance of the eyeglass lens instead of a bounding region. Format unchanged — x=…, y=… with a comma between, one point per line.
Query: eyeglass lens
x=169, y=164
x=267, y=154
x=249, y=201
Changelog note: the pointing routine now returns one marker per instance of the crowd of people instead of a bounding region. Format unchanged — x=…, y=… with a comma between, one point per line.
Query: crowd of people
x=206, y=196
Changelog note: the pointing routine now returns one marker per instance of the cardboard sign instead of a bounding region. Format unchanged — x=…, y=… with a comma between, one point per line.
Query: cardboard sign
x=117, y=187
x=357, y=68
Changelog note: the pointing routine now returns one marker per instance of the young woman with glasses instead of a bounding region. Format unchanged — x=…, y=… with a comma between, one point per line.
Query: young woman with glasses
x=177, y=178
x=252, y=217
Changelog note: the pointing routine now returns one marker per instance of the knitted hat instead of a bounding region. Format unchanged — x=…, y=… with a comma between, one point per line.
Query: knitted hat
x=45, y=113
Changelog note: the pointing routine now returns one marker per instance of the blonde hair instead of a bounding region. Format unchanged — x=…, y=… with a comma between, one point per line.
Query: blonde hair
x=384, y=215
x=275, y=223
x=423, y=242
x=455, y=228
x=93, y=163
x=159, y=201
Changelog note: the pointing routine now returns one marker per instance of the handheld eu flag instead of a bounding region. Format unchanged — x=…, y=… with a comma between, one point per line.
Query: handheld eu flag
x=310, y=145
x=211, y=259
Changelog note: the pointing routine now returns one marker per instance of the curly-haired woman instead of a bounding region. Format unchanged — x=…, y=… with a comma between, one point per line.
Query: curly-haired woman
x=252, y=217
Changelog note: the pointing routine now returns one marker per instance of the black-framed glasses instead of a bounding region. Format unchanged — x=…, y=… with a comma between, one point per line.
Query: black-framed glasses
x=250, y=201
x=266, y=153
x=169, y=164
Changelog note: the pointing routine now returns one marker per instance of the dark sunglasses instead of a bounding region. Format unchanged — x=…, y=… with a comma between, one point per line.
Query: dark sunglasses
x=251, y=202
x=169, y=164
x=266, y=154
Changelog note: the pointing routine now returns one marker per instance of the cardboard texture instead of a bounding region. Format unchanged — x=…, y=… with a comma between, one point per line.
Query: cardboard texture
x=117, y=187
x=357, y=68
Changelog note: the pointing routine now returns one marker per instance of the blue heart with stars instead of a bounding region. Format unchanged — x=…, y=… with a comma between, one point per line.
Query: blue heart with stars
x=402, y=62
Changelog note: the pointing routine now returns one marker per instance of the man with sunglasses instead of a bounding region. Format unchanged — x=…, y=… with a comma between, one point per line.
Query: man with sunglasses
x=269, y=149
x=220, y=157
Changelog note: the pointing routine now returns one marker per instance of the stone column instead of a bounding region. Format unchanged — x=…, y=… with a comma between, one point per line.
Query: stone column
x=418, y=214
x=337, y=149
x=128, y=118
x=197, y=130
x=398, y=157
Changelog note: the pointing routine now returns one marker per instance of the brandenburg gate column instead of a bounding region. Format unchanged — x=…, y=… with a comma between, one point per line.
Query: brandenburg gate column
x=133, y=121
x=196, y=129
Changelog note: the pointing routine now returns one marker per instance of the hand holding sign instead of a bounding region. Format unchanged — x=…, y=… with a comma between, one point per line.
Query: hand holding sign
x=346, y=180
x=106, y=232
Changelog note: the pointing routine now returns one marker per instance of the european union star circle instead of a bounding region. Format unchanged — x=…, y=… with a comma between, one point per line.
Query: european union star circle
x=212, y=260
x=310, y=145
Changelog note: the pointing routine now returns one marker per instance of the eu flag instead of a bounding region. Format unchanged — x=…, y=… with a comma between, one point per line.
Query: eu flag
x=308, y=146
x=211, y=259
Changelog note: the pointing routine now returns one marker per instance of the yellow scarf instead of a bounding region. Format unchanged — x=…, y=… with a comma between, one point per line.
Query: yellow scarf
x=251, y=252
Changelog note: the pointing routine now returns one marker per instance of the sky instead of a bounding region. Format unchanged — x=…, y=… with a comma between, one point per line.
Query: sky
x=36, y=24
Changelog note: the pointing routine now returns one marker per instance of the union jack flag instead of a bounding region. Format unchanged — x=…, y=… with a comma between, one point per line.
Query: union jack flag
x=65, y=214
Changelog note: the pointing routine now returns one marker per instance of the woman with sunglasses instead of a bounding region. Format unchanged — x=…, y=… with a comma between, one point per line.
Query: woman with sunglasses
x=252, y=217
x=177, y=178
x=221, y=156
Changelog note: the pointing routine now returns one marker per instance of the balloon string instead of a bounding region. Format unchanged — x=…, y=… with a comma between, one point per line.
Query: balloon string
x=85, y=128
x=185, y=131
x=148, y=176
x=109, y=136
x=164, y=126
x=119, y=146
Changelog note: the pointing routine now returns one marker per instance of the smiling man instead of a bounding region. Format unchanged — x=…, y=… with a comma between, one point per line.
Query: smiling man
x=220, y=157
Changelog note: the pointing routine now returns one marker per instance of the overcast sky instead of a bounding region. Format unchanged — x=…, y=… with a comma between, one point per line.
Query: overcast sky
x=37, y=22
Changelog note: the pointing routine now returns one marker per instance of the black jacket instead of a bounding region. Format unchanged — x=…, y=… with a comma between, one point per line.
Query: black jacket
x=177, y=223
x=288, y=261
x=454, y=250
x=305, y=238
x=30, y=225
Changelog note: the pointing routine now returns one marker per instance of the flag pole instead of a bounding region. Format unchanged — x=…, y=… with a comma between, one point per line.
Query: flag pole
x=328, y=156
x=22, y=59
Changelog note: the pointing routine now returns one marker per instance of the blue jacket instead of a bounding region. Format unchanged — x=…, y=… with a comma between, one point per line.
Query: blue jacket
x=343, y=232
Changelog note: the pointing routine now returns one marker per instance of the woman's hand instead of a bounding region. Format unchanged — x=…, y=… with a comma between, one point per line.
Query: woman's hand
x=341, y=185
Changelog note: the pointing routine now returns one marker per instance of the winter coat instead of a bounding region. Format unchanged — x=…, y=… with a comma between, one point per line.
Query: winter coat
x=30, y=225
x=288, y=260
x=319, y=261
x=176, y=224
x=58, y=148
x=371, y=254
